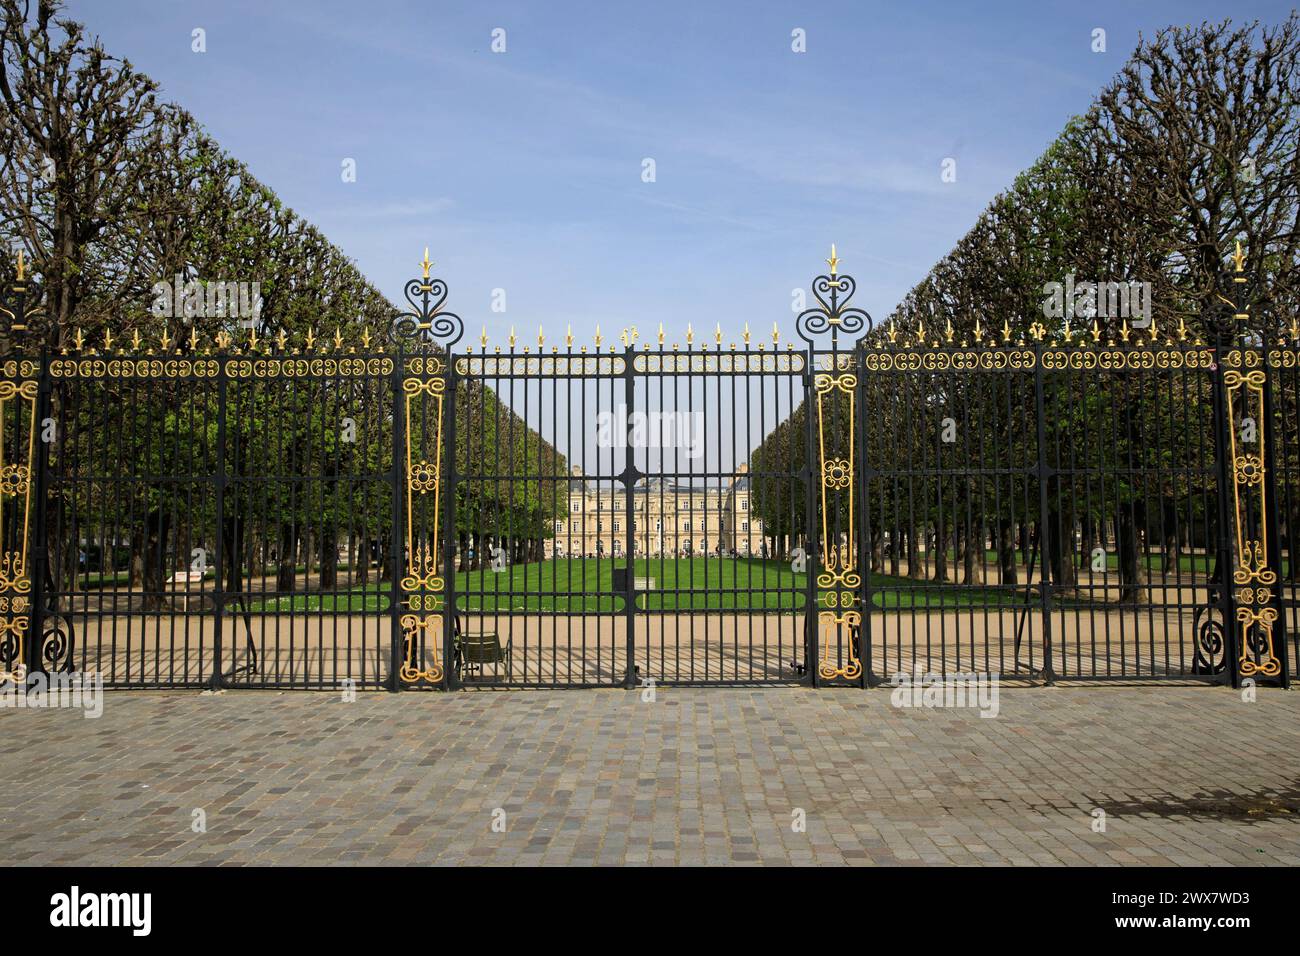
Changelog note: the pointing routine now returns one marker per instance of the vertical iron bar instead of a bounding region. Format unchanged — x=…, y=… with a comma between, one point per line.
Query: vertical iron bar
x=812, y=541
x=218, y=559
x=447, y=435
x=396, y=478
x=1224, y=560
x=1044, y=526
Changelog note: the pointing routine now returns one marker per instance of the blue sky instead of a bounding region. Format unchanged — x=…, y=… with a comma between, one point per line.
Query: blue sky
x=522, y=170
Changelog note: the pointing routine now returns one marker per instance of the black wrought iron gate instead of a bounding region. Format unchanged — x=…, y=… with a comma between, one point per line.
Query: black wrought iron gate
x=862, y=502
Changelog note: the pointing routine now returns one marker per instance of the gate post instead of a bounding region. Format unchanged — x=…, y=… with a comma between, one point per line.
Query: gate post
x=1255, y=645
x=424, y=558
x=835, y=564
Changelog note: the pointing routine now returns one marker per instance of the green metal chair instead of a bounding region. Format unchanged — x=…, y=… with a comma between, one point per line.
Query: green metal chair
x=474, y=651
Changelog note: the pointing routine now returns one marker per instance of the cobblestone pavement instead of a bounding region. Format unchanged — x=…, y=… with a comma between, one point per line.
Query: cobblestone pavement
x=1185, y=775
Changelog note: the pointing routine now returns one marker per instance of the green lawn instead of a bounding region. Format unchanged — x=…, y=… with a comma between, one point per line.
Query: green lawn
x=679, y=584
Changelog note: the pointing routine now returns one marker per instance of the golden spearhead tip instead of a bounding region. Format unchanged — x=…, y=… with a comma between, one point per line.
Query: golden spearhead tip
x=745, y=334
x=482, y=338
x=512, y=336
x=1239, y=258
x=540, y=340
x=598, y=338
x=425, y=264
x=717, y=333
x=776, y=334
x=568, y=336
x=834, y=260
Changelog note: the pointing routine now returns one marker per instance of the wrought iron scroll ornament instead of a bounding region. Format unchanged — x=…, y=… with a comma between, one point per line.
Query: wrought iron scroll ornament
x=427, y=323
x=832, y=313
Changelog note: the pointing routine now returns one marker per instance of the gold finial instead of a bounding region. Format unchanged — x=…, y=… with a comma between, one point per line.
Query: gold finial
x=661, y=333
x=893, y=330
x=776, y=334
x=135, y=340
x=690, y=334
x=948, y=334
x=745, y=335
x=568, y=336
x=425, y=264
x=108, y=340
x=1182, y=329
x=1096, y=331
x=920, y=332
x=540, y=339
x=223, y=339
x=20, y=265
x=717, y=333
x=365, y=339
x=1006, y=331
x=511, y=340
x=194, y=339
x=834, y=260
x=1239, y=259
x=252, y=339
x=598, y=338
x=482, y=337
x=623, y=337
x=311, y=339
x=78, y=339
x=338, y=337
x=1155, y=333
x=979, y=329
x=165, y=340
x=281, y=340
x=1067, y=333
x=1124, y=331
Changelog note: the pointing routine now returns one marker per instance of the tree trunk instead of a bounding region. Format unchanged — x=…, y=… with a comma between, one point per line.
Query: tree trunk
x=157, y=525
x=1126, y=533
x=329, y=559
x=1007, y=573
x=285, y=578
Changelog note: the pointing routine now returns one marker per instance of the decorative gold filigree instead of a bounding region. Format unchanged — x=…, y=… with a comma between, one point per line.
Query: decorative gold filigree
x=14, y=479
x=422, y=478
x=422, y=584
x=1254, y=579
x=837, y=473
x=414, y=627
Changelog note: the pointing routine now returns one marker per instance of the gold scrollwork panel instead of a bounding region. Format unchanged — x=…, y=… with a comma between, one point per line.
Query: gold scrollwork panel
x=422, y=585
x=838, y=579
x=1252, y=578
x=17, y=464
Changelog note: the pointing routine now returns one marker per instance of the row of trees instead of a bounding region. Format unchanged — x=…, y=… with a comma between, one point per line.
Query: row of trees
x=109, y=190
x=1194, y=145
